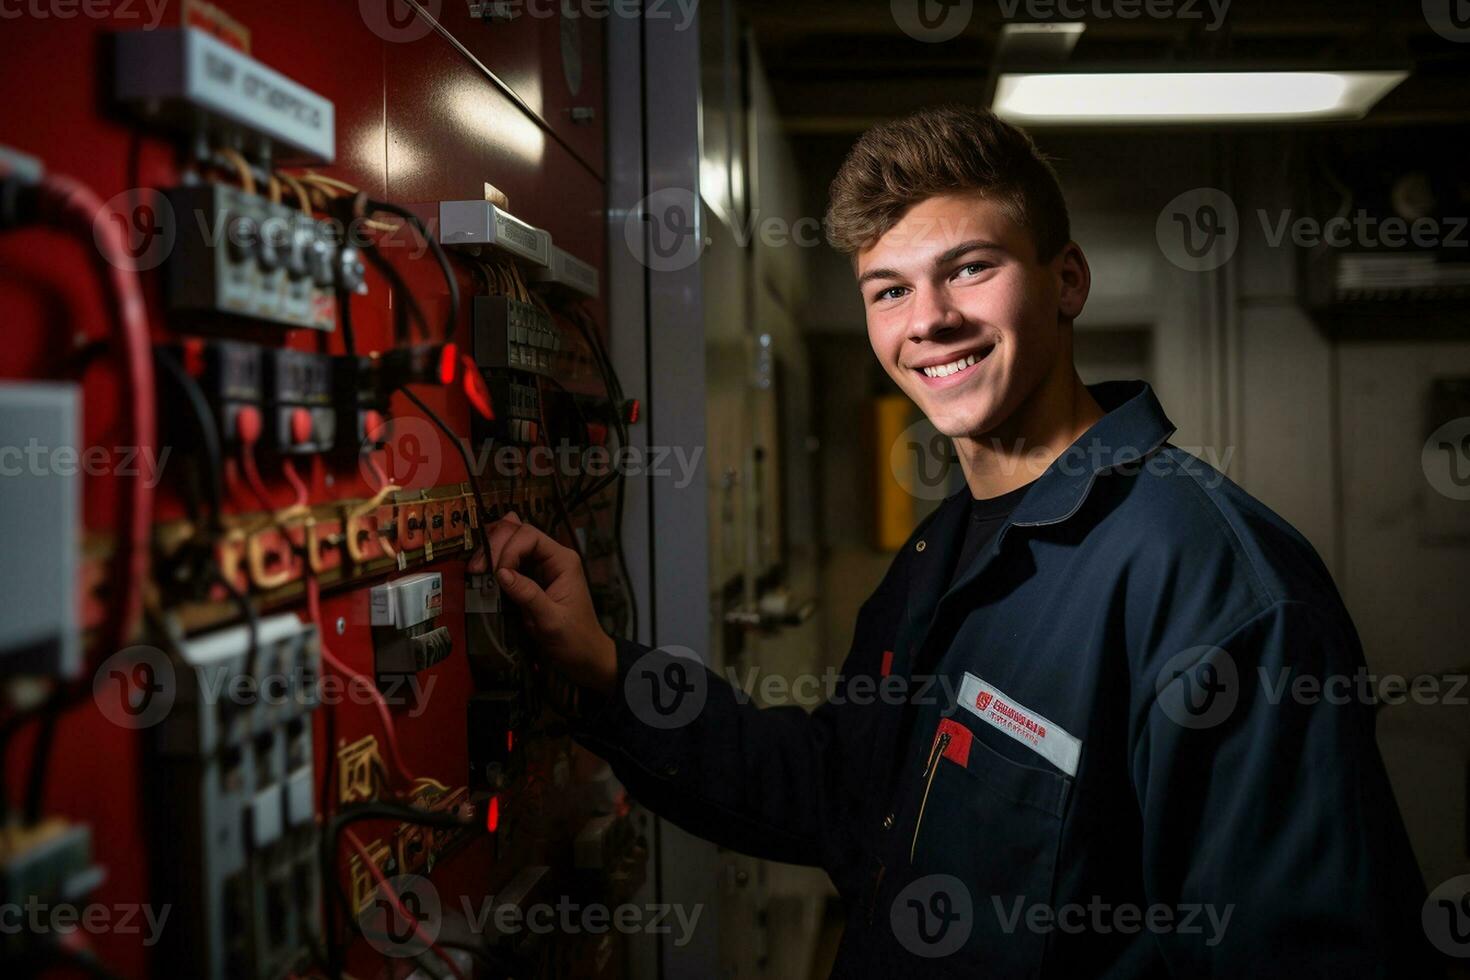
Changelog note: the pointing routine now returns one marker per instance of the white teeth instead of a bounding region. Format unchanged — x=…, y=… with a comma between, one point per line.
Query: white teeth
x=945, y=370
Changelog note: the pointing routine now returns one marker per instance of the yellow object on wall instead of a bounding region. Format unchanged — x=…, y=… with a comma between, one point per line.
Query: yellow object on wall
x=894, y=506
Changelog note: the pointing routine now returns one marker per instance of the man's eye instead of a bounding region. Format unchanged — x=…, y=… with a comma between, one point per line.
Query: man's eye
x=972, y=268
x=892, y=292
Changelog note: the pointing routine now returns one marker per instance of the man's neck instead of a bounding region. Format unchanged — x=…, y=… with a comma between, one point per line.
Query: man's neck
x=1017, y=452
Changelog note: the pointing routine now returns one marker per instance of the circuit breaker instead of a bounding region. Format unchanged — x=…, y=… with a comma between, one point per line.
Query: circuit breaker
x=405, y=639
x=238, y=815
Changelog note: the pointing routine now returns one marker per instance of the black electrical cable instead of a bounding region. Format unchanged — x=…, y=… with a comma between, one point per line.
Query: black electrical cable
x=452, y=317
x=208, y=430
x=409, y=305
x=40, y=761
x=344, y=306
x=252, y=623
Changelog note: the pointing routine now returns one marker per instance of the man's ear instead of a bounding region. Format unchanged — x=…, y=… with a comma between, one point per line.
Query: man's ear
x=1076, y=281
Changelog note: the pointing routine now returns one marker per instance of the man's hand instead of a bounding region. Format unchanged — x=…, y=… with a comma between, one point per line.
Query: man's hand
x=546, y=581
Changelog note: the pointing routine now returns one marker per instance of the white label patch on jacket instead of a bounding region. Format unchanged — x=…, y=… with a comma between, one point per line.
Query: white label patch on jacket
x=1039, y=734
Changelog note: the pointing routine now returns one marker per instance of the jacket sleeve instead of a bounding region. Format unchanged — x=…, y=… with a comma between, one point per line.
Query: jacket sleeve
x=777, y=782
x=1266, y=807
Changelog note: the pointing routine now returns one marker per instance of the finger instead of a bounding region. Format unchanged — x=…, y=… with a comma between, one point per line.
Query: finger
x=500, y=532
x=524, y=592
x=527, y=546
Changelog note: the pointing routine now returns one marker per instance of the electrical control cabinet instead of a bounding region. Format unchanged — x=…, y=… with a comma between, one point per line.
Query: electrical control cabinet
x=227, y=185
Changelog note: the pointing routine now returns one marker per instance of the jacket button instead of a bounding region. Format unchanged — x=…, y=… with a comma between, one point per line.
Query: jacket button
x=920, y=546
x=888, y=822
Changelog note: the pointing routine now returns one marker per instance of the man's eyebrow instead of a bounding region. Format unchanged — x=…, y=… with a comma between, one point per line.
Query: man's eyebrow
x=974, y=245
x=872, y=274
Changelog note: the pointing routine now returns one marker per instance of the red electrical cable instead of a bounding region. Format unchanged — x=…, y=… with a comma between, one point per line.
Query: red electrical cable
x=418, y=929
x=252, y=475
x=297, y=484
x=390, y=732
x=75, y=208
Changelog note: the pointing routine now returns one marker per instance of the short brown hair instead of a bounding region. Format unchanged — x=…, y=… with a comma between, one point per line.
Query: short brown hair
x=941, y=150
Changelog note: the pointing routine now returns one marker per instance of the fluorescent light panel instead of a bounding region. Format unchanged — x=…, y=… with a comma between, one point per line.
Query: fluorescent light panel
x=1184, y=97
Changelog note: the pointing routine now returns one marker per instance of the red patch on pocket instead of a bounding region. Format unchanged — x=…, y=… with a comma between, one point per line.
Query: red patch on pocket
x=958, y=749
x=887, y=667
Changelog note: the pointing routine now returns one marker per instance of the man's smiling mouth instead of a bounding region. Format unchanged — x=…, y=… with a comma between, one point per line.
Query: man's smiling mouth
x=949, y=372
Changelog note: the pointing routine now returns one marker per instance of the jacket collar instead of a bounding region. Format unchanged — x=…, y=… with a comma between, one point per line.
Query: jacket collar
x=1133, y=428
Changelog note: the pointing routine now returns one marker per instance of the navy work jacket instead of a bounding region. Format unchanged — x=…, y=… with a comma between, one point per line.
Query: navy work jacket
x=1094, y=753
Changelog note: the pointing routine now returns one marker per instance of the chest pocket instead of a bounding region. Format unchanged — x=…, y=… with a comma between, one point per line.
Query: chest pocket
x=996, y=825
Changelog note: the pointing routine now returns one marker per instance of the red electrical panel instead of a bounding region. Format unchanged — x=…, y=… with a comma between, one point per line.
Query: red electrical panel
x=322, y=479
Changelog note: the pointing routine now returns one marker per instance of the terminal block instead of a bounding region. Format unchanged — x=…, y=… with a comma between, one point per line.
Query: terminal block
x=405, y=639
x=513, y=335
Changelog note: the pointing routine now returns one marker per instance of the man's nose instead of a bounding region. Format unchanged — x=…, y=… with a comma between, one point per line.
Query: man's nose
x=934, y=316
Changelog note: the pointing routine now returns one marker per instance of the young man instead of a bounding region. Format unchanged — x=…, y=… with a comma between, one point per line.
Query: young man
x=1067, y=742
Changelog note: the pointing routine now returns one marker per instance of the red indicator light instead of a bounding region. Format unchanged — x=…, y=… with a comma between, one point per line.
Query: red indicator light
x=492, y=815
x=510, y=741
x=447, y=358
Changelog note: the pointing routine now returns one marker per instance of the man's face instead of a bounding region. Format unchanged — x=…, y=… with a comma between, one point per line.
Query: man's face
x=961, y=313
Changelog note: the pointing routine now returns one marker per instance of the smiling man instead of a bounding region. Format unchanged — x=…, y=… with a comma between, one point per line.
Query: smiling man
x=1120, y=784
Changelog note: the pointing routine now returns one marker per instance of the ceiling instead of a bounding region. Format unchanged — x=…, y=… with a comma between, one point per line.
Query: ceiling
x=838, y=66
